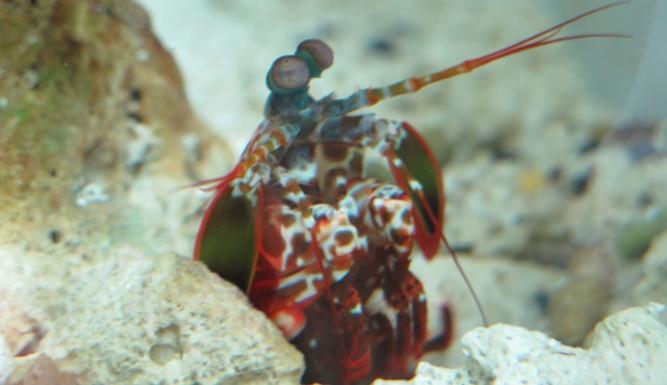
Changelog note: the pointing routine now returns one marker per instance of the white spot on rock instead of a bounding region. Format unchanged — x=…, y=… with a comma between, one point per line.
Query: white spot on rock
x=92, y=193
x=143, y=55
x=139, y=148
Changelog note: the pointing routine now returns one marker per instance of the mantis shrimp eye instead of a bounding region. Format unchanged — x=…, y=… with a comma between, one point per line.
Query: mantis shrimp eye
x=289, y=73
x=319, y=51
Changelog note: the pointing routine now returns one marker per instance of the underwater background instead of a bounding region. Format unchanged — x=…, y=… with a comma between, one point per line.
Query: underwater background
x=555, y=168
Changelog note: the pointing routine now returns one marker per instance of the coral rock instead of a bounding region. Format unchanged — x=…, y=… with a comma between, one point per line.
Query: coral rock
x=627, y=348
x=148, y=320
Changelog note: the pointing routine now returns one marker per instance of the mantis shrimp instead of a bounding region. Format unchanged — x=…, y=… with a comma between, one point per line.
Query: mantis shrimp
x=320, y=246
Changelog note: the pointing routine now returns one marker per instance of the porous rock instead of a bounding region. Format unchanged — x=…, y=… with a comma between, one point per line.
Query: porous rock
x=627, y=348
x=97, y=141
x=97, y=138
x=145, y=320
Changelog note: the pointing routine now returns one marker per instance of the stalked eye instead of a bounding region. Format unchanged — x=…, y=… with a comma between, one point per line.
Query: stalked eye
x=289, y=73
x=319, y=51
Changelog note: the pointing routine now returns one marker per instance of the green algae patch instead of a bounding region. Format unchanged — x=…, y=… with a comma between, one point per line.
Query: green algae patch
x=635, y=237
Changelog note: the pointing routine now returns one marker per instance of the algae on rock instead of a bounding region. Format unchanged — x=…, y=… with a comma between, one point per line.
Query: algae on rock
x=93, y=110
x=97, y=141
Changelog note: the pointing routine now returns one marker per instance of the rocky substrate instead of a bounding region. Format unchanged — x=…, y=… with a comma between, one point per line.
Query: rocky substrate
x=627, y=348
x=98, y=144
x=133, y=319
